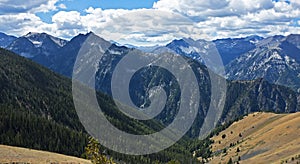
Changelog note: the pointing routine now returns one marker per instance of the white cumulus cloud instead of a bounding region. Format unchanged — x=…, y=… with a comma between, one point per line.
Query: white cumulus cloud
x=20, y=6
x=167, y=20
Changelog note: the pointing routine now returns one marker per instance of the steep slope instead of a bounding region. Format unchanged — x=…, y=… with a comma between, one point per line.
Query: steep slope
x=189, y=48
x=26, y=85
x=33, y=45
x=54, y=53
x=231, y=48
x=242, y=97
x=63, y=61
x=260, y=138
x=36, y=108
x=23, y=47
x=275, y=59
x=37, y=111
x=245, y=97
x=6, y=40
x=47, y=95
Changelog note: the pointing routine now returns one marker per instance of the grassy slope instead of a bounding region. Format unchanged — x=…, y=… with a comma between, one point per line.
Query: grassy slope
x=9, y=154
x=265, y=138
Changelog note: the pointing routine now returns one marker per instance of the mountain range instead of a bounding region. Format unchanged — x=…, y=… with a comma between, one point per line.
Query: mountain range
x=275, y=58
x=28, y=86
x=6, y=40
x=37, y=111
x=34, y=44
x=256, y=95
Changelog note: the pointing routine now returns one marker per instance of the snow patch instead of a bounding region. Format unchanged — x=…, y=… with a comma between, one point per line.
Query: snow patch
x=36, y=43
x=254, y=41
x=187, y=50
x=26, y=55
x=115, y=52
x=276, y=55
x=289, y=60
x=59, y=42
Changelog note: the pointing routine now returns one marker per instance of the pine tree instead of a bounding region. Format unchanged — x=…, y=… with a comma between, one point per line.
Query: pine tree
x=92, y=151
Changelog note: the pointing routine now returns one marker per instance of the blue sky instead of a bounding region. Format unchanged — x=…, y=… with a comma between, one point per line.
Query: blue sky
x=81, y=5
x=150, y=22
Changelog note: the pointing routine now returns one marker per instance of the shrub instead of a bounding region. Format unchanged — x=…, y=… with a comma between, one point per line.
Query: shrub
x=223, y=136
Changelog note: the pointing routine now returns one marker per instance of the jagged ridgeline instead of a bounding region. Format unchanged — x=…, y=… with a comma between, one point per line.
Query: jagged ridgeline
x=242, y=97
x=273, y=58
x=32, y=91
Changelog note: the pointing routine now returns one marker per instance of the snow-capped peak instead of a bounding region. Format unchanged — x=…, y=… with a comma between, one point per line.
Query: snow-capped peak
x=38, y=39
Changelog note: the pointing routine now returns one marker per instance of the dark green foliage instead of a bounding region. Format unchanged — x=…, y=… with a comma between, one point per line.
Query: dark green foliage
x=201, y=147
x=181, y=151
x=222, y=127
x=22, y=128
x=36, y=108
x=28, y=86
x=223, y=136
x=93, y=153
x=244, y=97
x=230, y=161
x=37, y=111
x=31, y=92
x=124, y=123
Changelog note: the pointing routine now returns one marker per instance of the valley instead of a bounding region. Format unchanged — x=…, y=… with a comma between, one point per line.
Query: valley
x=150, y=82
x=41, y=95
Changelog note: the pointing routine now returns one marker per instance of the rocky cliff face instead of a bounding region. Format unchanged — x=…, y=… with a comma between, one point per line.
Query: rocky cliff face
x=275, y=59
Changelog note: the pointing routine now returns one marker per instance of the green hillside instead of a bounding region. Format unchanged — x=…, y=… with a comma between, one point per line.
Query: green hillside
x=37, y=111
x=36, y=108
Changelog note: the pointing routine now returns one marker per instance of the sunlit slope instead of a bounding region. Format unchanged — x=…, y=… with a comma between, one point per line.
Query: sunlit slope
x=9, y=154
x=260, y=138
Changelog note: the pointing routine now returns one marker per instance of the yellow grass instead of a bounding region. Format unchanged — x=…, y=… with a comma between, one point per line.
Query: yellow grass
x=9, y=154
x=266, y=138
